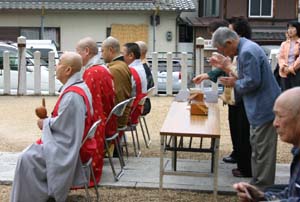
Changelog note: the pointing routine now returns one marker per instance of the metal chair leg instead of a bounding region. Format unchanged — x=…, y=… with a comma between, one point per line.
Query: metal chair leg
x=87, y=193
x=110, y=160
x=143, y=132
x=133, y=141
x=147, y=131
x=95, y=183
x=120, y=154
x=138, y=142
x=122, y=163
x=126, y=147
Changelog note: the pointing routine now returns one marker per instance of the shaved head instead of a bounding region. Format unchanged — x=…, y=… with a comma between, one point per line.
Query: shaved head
x=73, y=60
x=143, y=49
x=290, y=100
x=87, y=49
x=69, y=64
x=110, y=49
x=89, y=43
x=142, y=46
x=287, y=117
x=113, y=43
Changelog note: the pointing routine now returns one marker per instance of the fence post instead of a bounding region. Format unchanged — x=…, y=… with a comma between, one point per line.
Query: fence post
x=184, y=71
x=273, y=61
x=21, y=90
x=37, y=72
x=6, y=73
x=51, y=67
x=199, y=56
x=155, y=70
x=169, y=74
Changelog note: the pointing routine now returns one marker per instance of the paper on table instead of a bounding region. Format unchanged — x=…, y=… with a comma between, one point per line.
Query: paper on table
x=182, y=96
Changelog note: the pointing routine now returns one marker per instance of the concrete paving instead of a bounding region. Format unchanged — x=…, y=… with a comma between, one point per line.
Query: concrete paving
x=144, y=173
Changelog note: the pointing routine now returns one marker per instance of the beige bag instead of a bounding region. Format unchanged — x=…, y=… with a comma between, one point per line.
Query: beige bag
x=228, y=94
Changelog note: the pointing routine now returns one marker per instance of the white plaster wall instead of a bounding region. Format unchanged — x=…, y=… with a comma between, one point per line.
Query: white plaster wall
x=75, y=25
x=185, y=47
x=167, y=23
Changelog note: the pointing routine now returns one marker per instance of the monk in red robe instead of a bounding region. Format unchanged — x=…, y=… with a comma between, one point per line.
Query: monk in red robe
x=100, y=82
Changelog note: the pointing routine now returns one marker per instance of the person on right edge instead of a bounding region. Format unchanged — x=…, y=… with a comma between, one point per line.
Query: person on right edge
x=287, y=124
x=288, y=58
x=256, y=85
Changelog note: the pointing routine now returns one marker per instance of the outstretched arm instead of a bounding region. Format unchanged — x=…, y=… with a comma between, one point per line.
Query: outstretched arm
x=248, y=193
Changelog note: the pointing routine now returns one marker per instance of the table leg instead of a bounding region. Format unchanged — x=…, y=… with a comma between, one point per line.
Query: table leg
x=216, y=166
x=212, y=154
x=174, y=153
x=161, y=169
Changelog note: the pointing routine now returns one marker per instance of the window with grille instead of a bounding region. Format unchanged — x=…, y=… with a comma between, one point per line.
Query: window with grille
x=260, y=8
x=185, y=34
x=209, y=8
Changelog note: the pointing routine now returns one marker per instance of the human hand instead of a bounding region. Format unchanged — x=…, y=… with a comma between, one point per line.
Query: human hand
x=291, y=70
x=40, y=123
x=282, y=70
x=220, y=61
x=201, y=77
x=228, y=81
x=248, y=193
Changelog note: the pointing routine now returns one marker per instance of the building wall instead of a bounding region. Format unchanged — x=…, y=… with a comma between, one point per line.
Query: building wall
x=284, y=10
x=75, y=25
x=240, y=8
x=236, y=8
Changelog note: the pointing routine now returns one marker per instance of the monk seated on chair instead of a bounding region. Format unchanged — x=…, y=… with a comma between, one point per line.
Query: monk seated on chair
x=46, y=170
x=132, y=54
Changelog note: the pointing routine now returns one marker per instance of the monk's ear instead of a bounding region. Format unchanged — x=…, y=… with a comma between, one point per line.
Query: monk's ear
x=111, y=50
x=87, y=51
x=69, y=70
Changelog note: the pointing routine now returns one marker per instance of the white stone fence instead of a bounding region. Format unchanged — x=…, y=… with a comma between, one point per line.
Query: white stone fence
x=29, y=77
x=47, y=84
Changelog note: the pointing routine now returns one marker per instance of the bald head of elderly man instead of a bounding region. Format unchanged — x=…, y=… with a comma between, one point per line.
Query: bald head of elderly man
x=121, y=73
x=69, y=63
x=88, y=50
x=100, y=82
x=287, y=124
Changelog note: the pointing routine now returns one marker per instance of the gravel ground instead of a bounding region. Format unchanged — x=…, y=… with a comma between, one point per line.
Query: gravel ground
x=18, y=129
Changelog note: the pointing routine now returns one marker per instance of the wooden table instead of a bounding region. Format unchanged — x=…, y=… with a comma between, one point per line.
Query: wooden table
x=180, y=124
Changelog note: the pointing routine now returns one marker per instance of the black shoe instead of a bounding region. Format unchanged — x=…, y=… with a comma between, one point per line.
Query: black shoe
x=51, y=199
x=229, y=159
x=237, y=173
